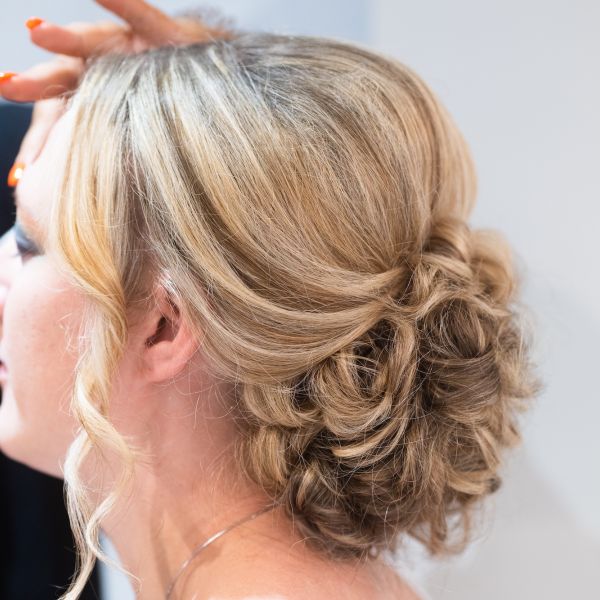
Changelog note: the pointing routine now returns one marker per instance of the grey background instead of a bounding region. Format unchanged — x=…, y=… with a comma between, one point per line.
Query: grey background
x=521, y=79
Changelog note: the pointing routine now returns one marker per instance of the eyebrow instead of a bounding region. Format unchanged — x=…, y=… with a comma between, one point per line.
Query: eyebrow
x=19, y=203
x=15, y=197
x=22, y=208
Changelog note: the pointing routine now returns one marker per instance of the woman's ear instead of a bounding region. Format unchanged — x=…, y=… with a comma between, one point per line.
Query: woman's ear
x=167, y=341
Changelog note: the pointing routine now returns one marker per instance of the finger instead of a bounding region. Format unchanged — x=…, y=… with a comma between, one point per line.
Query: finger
x=146, y=20
x=45, y=114
x=80, y=39
x=191, y=29
x=43, y=81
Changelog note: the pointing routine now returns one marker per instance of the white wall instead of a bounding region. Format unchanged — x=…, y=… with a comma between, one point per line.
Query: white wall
x=521, y=79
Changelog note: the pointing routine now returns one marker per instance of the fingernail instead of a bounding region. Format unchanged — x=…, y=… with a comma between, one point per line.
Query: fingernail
x=33, y=22
x=5, y=76
x=15, y=174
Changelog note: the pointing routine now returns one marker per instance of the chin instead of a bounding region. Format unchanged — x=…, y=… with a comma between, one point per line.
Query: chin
x=21, y=445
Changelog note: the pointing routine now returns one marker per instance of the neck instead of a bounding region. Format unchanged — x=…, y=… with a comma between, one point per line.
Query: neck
x=188, y=489
x=162, y=536
x=213, y=538
x=170, y=513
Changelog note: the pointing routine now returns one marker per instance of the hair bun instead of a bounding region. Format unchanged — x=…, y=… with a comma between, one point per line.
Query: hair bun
x=405, y=428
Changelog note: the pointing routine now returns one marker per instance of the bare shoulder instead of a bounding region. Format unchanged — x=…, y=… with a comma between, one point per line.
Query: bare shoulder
x=375, y=582
x=392, y=585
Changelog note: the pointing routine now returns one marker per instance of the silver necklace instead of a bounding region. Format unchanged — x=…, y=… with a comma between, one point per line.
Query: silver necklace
x=211, y=539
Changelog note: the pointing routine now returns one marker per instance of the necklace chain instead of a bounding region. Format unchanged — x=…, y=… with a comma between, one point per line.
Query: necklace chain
x=211, y=539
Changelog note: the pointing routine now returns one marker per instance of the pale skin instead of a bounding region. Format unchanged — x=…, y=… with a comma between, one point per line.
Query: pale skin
x=165, y=400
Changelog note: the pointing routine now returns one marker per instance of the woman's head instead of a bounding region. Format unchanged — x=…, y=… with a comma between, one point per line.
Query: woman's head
x=297, y=208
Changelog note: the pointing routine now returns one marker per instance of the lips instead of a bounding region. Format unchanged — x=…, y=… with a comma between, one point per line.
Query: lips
x=3, y=369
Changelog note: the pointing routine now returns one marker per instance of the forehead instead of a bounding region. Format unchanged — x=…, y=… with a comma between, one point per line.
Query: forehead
x=40, y=179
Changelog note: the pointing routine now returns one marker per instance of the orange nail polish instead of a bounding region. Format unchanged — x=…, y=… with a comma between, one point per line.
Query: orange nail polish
x=15, y=174
x=33, y=22
x=5, y=76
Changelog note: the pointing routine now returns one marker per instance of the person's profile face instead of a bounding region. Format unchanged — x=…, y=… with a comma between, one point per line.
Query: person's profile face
x=40, y=314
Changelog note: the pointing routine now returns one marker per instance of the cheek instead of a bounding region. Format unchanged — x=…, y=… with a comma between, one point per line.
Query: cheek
x=41, y=321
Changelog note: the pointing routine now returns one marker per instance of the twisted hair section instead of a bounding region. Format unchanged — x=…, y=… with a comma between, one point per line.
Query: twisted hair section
x=403, y=429
x=307, y=200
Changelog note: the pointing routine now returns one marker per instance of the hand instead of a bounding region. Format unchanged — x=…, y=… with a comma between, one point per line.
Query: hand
x=145, y=27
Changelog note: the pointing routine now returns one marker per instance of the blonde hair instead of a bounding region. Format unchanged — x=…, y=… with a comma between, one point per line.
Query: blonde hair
x=306, y=201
